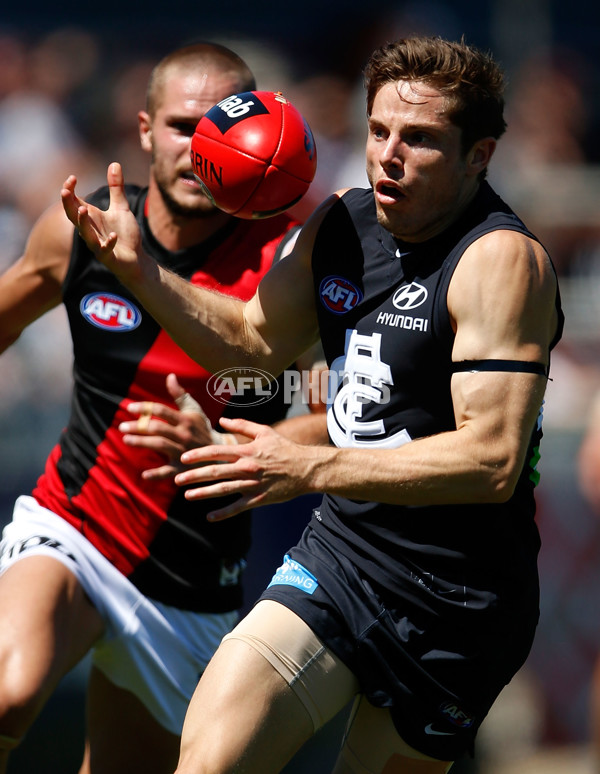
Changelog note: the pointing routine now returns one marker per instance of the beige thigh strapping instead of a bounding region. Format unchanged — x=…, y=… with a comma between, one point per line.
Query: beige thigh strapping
x=322, y=682
x=325, y=685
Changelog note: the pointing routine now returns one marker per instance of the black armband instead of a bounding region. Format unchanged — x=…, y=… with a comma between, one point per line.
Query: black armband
x=518, y=366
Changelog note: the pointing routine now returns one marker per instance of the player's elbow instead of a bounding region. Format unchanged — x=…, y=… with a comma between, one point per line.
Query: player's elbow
x=502, y=491
x=502, y=475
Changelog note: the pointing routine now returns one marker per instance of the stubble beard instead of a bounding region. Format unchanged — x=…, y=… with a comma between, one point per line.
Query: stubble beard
x=201, y=210
x=386, y=222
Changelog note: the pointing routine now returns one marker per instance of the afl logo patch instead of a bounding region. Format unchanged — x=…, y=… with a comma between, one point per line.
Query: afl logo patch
x=456, y=715
x=339, y=295
x=110, y=312
x=409, y=296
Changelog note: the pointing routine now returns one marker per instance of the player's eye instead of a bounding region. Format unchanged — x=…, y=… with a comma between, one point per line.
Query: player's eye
x=184, y=127
x=378, y=133
x=419, y=138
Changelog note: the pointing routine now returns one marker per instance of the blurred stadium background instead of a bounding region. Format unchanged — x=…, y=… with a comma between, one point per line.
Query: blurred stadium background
x=71, y=82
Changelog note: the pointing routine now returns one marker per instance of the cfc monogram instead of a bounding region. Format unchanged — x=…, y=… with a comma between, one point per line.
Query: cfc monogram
x=362, y=378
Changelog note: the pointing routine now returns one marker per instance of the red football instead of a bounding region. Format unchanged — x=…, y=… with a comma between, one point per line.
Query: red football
x=254, y=154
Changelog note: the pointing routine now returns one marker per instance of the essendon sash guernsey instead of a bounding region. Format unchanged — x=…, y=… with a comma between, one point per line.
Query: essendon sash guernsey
x=386, y=330
x=156, y=538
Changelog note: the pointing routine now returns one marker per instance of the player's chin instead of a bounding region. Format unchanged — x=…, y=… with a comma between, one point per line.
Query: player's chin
x=385, y=215
x=391, y=221
x=191, y=202
x=198, y=199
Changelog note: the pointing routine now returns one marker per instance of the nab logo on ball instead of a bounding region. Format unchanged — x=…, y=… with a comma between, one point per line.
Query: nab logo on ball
x=253, y=154
x=339, y=295
x=232, y=110
x=110, y=312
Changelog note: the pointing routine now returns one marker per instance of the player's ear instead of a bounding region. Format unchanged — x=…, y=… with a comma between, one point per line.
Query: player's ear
x=145, y=129
x=480, y=155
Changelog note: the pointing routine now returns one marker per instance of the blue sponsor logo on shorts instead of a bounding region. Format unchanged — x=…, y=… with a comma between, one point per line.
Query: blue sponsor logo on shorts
x=293, y=574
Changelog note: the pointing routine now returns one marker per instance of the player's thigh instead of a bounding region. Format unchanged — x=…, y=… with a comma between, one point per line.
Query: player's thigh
x=373, y=746
x=49, y=626
x=122, y=736
x=242, y=709
x=270, y=685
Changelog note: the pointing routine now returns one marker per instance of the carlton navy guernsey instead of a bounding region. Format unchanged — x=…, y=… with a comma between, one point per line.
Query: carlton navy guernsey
x=433, y=608
x=384, y=323
x=147, y=529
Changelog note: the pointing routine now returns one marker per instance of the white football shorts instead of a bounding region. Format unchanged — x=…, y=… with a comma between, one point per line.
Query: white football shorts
x=155, y=651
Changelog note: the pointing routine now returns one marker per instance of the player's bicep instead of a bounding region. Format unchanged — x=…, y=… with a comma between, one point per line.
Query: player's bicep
x=502, y=303
x=502, y=300
x=33, y=284
x=282, y=314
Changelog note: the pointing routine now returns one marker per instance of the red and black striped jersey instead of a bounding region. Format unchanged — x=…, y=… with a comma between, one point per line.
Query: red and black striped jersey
x=148, y=530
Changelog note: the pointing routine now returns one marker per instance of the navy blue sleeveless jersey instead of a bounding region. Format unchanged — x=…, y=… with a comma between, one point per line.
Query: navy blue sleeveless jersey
x=433, y=608
x=385, y=325
x=148, y=530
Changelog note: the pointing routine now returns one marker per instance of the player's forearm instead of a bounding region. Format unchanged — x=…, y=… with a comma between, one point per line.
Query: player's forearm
x=208, y=326
x=443, y=469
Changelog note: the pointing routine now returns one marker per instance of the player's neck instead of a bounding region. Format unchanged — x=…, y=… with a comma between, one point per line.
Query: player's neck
x=175, y=232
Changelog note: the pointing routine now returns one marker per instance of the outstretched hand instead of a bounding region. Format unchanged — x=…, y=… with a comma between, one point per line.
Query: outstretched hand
x=113, y=235
x=268, y=469
x=170, y=431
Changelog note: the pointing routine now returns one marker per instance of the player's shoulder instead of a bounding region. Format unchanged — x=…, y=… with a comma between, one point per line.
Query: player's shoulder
x=299, y=237
x=507, y=249
x=53, y=229
x=326, y=206
x=337, y=204
x=48, y=248
x=504, y=262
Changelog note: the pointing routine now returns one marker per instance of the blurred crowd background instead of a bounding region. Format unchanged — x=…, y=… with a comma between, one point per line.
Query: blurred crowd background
x=72, y=79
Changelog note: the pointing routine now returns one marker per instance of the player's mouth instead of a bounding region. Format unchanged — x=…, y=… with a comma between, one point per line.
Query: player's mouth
x=189, y=178
x=387, y=192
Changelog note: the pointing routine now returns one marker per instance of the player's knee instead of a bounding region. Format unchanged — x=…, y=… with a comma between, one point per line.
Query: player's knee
x=20, y=702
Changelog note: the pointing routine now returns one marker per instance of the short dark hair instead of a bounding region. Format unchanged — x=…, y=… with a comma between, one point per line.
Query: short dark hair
x=470, y=80
x=198, y=55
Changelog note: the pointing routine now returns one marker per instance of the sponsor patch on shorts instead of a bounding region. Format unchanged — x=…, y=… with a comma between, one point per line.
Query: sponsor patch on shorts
x=293, y=574
x=18, y=547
